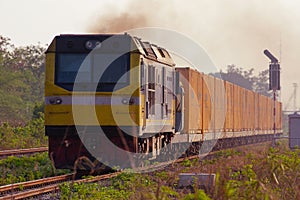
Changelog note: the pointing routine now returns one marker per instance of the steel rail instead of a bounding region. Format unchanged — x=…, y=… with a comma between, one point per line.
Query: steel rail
x=11, y=188
x=14, y=152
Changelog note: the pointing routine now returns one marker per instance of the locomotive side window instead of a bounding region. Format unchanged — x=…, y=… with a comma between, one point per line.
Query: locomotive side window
x=151, y=89
x=151, y=77
x=161, y=52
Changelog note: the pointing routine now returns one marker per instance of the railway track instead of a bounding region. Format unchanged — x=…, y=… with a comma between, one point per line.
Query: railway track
x=25, y=189
x=18, y=152
x=43, y=186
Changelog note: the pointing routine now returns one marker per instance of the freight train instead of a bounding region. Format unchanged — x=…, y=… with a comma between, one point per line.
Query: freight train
x=131, y=93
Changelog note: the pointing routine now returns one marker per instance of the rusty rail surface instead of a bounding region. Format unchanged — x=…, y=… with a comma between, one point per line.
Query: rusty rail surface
x=43, y=186
x=16, y=152
x=17, y=187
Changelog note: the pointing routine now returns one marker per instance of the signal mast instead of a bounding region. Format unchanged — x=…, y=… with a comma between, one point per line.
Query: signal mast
x=274, y=84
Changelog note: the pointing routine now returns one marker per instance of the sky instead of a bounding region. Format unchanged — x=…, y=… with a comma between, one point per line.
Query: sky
x=231, y=31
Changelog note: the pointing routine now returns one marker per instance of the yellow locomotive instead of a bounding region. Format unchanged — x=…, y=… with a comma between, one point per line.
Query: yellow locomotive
x=116, y=82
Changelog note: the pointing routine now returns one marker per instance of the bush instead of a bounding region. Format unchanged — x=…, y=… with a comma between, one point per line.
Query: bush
x=30, y=135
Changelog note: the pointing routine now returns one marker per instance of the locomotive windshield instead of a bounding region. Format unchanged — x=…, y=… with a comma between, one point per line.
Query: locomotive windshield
x=106, y=71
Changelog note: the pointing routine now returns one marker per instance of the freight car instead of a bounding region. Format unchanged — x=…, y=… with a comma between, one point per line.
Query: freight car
x=105, y=89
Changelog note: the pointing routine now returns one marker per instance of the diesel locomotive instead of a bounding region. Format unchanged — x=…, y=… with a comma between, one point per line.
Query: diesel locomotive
x=131, y=93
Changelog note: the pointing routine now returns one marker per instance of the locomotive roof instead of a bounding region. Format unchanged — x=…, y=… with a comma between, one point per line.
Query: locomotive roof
x=66, y=43
x=153, y=51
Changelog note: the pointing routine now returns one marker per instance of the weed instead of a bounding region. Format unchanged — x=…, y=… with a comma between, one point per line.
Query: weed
x=18, y=169
x=198, y=195
x=186, y=163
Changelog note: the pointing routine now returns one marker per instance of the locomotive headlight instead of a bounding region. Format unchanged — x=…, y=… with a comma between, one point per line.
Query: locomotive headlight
x=97, y=44
x=52, y=101
x=55, y=100
x=89, y=45
x=58, y=101
x=125, y=101
x=128, y=101
x=92, y=44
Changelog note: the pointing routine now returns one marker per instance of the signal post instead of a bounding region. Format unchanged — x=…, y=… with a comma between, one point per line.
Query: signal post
x=274, y=84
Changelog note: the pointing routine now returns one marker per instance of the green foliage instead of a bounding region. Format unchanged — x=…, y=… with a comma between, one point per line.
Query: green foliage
x=162, y=175
x=31, y=135
x=244, y=185
x=166, y=192
x=128, y=186
x=90, y=191
x=198, y=195
x=17, y=169
x=122, y=187
x=38, y=110
x=227, y=152
x=187, y=163
x=21, y=80
x=283, y=166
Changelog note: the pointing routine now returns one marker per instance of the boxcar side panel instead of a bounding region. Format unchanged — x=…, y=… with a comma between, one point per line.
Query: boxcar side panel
x=229, y=106
x=220, y=105
x=207, y=103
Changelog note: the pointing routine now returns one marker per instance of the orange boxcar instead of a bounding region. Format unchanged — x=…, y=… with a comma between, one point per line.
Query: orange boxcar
x=212, y=104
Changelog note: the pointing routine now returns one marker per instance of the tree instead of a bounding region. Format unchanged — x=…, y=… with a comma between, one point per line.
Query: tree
x=21, y=80
x=247, y=79
x=261, y=84
x=238, y=76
